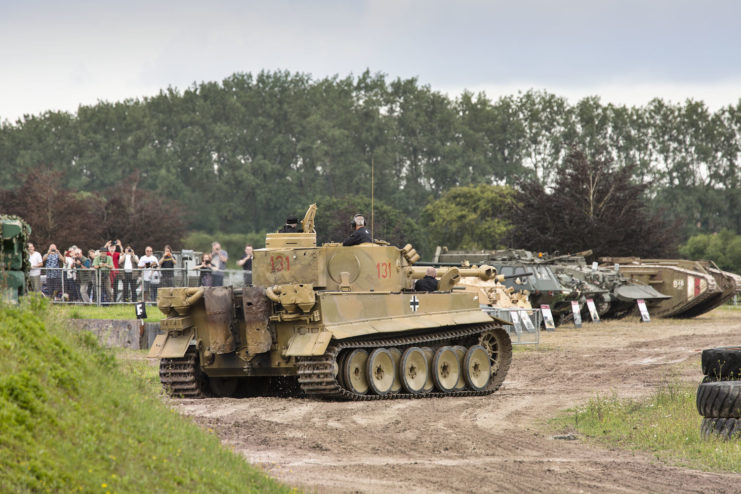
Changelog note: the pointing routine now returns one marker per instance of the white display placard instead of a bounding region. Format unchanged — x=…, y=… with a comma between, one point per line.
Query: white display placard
x=592, y=310
x=643, y=310
x=516, y=321
x=526, y=321
x=550, y=324
x=577, y=313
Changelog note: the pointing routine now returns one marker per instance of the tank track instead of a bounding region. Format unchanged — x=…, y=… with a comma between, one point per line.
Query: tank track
x=316, y=374
x=182, y=377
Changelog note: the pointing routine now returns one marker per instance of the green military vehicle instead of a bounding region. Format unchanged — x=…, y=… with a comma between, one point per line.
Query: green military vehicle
x=340, y=322
x=524, y=271
x=615, y=294
x=14, y=265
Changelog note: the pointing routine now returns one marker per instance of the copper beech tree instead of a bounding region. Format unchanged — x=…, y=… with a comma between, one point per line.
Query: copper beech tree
x=67, y=217
x=592, y=205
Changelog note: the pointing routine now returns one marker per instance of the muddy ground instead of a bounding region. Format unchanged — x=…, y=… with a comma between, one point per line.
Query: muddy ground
x=498, y=443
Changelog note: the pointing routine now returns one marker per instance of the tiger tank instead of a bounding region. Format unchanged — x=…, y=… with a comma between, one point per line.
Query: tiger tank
x=334, y=322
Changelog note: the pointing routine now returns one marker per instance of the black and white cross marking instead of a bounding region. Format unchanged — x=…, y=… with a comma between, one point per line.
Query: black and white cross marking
x=414, y=303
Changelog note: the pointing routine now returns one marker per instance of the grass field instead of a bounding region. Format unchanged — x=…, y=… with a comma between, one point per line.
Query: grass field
x=75, y=419
x=666, y=424
x=110, y=312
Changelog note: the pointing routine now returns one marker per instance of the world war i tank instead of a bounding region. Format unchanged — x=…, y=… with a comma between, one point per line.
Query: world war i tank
x=694, y=287
x=615, y=295
x=339, y=322
x=14, y=264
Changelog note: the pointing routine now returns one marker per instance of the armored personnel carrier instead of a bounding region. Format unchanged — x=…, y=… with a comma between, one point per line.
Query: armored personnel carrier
x=694, y=287
x=340, y=322
x=14, y=265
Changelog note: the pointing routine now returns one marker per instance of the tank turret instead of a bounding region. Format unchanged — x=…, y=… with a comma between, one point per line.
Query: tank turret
x=341, y=322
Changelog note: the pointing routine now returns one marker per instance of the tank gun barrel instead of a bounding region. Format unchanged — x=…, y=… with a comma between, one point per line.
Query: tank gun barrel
x=503, y=277
x=482, y=272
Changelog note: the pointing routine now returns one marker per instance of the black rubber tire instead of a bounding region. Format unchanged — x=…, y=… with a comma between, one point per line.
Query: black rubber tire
x=721, y=399
x=723, y=428
x=723, y=363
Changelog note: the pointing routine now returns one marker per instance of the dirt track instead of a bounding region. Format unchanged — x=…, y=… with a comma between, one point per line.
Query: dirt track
x=499, y=443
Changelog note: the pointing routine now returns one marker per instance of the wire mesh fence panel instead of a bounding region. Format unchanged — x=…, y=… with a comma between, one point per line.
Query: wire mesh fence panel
x=120, y=286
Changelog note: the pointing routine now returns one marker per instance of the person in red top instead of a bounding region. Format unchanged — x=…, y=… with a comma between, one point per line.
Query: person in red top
x=114, y=251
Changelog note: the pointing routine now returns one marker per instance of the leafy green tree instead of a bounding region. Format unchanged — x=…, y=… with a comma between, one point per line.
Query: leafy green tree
x=386, y=223
x=470, y=218
x=723, y=248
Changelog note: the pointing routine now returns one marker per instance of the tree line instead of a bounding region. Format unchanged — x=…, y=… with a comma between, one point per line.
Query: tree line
x=242, y=154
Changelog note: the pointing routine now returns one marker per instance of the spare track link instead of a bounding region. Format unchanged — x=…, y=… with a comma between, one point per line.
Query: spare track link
x=181, y=377
x=316, y=374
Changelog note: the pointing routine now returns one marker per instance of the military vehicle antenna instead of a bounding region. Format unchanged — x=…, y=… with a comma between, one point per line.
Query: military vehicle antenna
x=372, y=194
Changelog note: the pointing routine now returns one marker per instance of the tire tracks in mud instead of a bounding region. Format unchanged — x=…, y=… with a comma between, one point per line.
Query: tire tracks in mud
x=497, y=443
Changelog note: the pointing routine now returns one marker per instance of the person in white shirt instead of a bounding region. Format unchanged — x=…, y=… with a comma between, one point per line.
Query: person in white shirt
x=148, y=263
x=128, y=261
x=218, y=260
x=36, y=262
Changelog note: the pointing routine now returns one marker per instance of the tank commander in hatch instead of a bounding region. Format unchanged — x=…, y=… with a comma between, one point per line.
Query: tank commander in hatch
x=291, y=226
x=360, y=232
x=428, y=283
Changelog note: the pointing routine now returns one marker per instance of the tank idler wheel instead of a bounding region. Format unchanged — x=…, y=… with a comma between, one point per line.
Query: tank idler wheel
x=380, y=371
x=429, y=383
x=477, y=368
x=223, y=387
x=460, y=352
x=355, y=365
x=446, y=369
x=414, y=370
x=396, y=356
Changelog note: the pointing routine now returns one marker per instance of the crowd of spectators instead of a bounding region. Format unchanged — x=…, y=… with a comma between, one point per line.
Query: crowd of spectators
x=113, y=272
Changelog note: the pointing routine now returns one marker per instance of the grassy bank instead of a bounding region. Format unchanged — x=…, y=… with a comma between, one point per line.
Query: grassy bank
x=666, y=424
x=73, y=419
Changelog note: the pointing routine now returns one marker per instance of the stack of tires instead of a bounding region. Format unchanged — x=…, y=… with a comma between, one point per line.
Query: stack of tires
x=719, y=394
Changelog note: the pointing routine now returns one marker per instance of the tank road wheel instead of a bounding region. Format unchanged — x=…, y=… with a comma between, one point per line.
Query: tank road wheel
x=445, y=369
x=396, y=356
x=429, y=383
x=413, y=367
x=381, y=371
x=477, y=368
x=356, y=379
x=460, y=352
x=223, y=387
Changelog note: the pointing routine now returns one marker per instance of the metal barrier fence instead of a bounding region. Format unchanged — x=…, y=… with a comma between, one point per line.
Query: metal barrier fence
x=117, y=286
x=526, y=323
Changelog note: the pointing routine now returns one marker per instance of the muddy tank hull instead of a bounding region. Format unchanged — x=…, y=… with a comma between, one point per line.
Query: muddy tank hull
x=312, y=355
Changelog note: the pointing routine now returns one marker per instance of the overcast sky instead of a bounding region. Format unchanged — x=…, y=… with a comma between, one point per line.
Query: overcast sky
x=58, y=55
